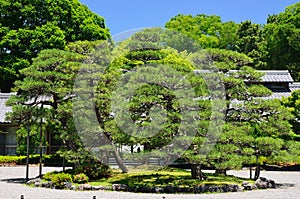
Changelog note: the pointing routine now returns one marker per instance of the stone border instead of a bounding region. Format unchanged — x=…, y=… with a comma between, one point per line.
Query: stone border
x=261, y=183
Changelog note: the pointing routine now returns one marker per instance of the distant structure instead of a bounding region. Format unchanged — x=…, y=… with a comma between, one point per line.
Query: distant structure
x=8, y=139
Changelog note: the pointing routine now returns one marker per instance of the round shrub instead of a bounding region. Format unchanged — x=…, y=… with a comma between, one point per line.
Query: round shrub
x=60, y=179
x=48, y=176
x=80, y=178
x=94, y=169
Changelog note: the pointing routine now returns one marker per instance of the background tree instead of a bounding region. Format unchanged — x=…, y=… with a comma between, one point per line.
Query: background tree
x=282, y=36
x=208, y=31
x=27, y=27
x=252, y=43
x=293, y=104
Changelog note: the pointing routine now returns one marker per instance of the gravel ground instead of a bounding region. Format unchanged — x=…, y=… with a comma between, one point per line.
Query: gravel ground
x=9, y=190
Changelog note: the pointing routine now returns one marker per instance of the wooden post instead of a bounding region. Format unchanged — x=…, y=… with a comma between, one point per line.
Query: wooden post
x=27, y=148
x=41, y=142
x=250, y=169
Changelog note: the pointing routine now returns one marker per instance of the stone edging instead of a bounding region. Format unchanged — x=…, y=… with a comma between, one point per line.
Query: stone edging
x=261, y=183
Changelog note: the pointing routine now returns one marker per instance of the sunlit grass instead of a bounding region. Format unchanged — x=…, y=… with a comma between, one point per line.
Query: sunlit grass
x=161, y=178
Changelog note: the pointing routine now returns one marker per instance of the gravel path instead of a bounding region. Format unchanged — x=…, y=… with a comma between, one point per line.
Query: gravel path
x=14, y=190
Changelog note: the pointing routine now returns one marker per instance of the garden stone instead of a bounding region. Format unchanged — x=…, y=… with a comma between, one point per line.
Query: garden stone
x=234, y=188
x=107, y=188
x=33, y=181
x=261, y=184
x=212, y=188
x=38, y=184
x=87, y=187
x=248, y=187
x=80, y=187
x=73, y=187
x=271, y=184
x=97, y=188
x=158, y=189
x=245, y=183
x=84, y=187
x=119, y=187
x=47, y=184
x=225, y=188
x=204, y=188
x=147, y=189
x=68, y=185
x=263, y=179
x=169, y=189
x=254, y=187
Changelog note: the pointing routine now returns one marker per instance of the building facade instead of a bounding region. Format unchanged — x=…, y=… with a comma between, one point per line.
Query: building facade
x=8, y=137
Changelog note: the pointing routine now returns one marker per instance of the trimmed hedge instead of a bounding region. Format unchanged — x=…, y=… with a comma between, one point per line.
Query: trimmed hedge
x=48, y=160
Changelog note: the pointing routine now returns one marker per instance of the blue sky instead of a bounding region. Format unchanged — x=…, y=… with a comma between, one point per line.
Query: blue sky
x=124, y=15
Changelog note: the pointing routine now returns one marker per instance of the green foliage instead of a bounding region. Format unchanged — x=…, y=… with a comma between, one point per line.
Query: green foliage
x=48, y=160
x=293, y=105
x=208, y=31
x=93, y=169
x=49, y=176
x=81, y=178
x=252, y=43
x=27, y=27
x=144, y=53
x=59, y=179
x=174, y=177
x=282, y=36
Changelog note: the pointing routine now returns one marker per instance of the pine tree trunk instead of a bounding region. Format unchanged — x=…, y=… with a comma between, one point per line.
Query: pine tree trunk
x=119, y=161
x=257, y=173
x=221, y=172
x=196, y=172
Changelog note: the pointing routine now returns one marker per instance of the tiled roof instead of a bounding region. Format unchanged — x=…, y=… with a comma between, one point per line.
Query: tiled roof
x=276, y=76
x=278, y=95
x=3, y=108
x=294, y=86
x=269, y=75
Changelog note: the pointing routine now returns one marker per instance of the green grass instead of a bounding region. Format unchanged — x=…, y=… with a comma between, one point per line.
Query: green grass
x=162, y=178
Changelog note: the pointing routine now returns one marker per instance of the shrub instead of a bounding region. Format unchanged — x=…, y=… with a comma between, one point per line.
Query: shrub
x=94, y=171
x=60, y=179
x=48, y=176
x=80, y=178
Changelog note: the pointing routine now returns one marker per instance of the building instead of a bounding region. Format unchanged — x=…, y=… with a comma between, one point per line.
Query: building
x=8, y=139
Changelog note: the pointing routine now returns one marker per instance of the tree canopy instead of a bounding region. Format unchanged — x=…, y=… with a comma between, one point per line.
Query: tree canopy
x=282, y=35
x=27, y=27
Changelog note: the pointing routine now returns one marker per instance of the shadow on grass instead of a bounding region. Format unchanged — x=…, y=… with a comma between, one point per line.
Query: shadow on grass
x=157, y=179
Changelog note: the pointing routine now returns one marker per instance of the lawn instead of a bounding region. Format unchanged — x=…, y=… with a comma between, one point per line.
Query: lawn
x=138, y=177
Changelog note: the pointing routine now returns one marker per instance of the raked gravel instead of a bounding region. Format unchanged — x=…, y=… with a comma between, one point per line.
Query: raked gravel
x=10, y=190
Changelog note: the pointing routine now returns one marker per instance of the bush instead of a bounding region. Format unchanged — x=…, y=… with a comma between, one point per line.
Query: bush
x=94, y=171
x=11, y=159
x=81, y=178
x=48, y=160
x=48, y=176
x=60, y=179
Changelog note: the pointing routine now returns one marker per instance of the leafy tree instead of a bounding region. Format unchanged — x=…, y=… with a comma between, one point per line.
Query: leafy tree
x=27, y=27
x=282, y=36
x=208, y=31
x=251, y=42
x=293, y=104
